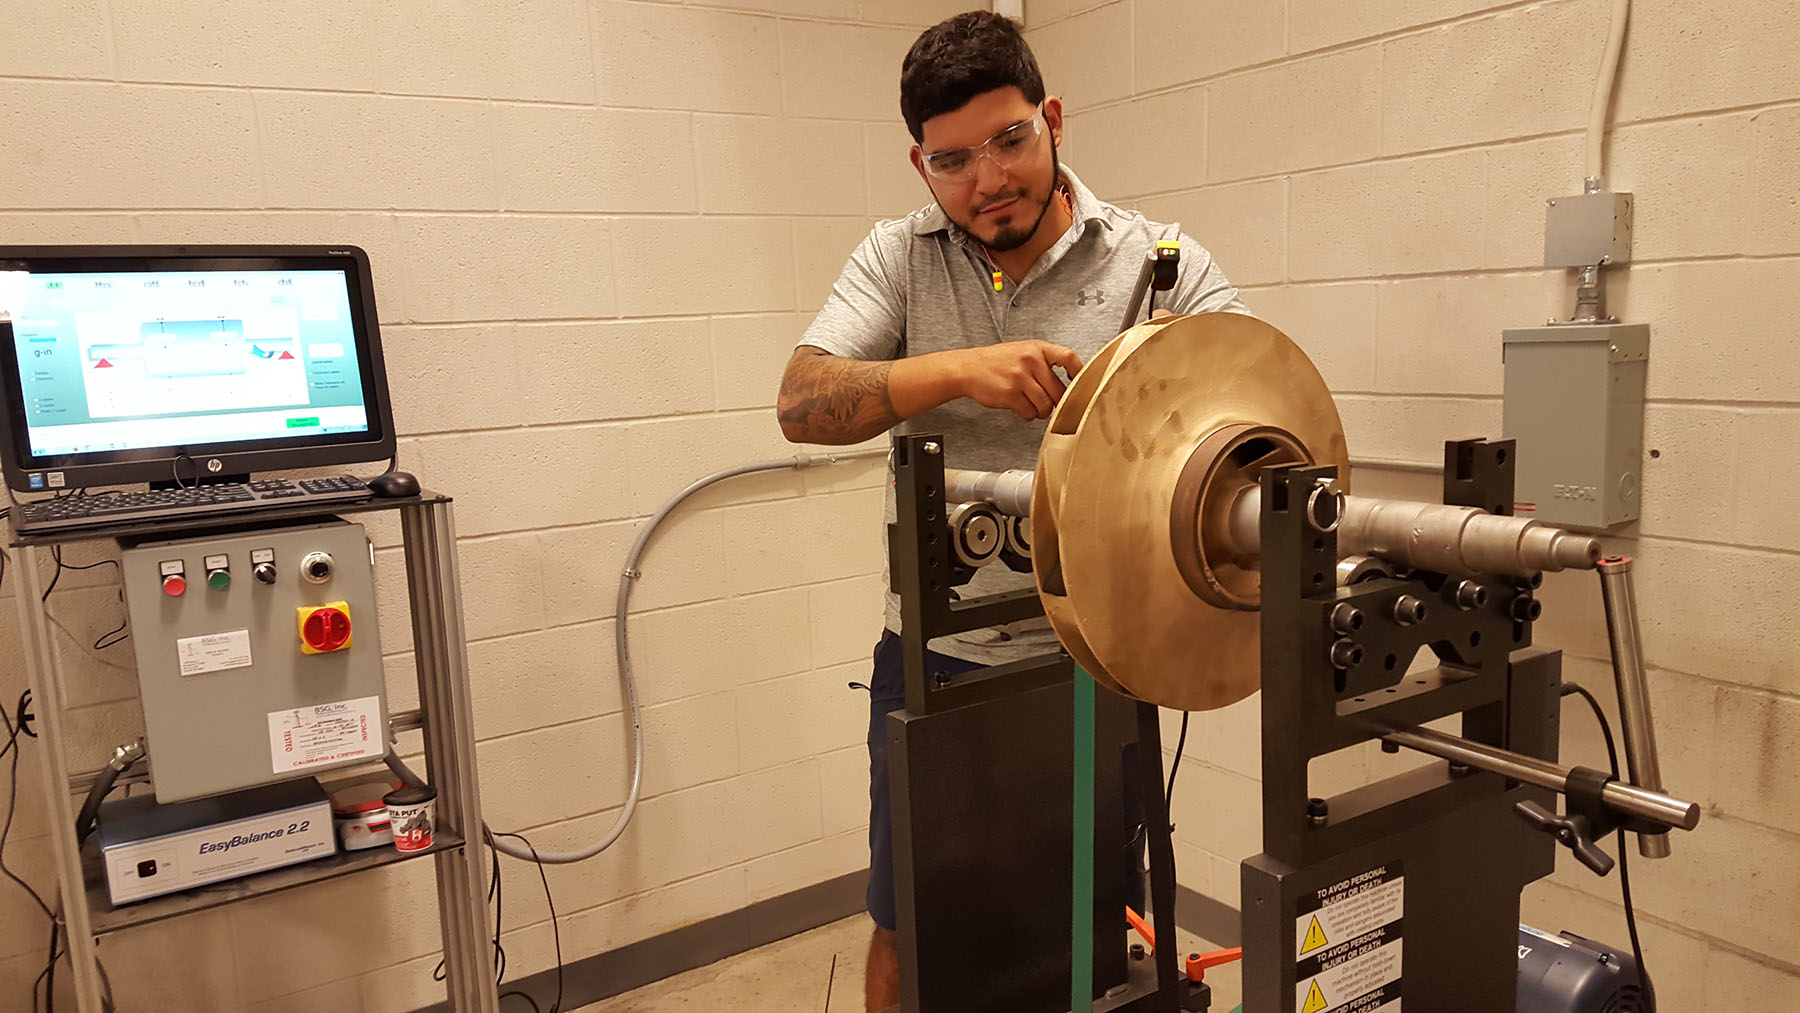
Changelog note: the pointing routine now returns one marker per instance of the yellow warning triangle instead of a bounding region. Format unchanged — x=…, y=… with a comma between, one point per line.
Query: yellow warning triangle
x=1315, y=1000
x=1315, y=937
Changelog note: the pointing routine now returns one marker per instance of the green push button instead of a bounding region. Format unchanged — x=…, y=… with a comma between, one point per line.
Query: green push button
x=219, y=580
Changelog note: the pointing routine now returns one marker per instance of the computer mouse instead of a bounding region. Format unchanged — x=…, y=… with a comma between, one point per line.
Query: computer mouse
x=393, y=484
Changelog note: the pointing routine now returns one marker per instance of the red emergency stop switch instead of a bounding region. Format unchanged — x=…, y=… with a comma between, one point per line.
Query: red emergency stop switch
x=324, y=628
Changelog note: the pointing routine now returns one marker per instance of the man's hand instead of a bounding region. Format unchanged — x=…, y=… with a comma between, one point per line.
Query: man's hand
x=1015, y=376
x=832, y=400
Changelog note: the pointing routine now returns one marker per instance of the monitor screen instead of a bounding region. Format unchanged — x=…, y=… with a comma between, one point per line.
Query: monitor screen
x=135, y=358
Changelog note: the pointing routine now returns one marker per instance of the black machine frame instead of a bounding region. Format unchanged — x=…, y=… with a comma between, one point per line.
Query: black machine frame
x=981, y=770
x=1450, y=835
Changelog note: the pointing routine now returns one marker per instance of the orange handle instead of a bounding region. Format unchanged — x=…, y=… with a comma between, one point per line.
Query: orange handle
x=1197, y=963
x=1143, y=927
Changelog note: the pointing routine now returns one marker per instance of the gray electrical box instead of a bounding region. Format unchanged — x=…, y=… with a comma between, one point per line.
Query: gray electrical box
x=1574, y=401
x=258, y=655
x=1588, y=230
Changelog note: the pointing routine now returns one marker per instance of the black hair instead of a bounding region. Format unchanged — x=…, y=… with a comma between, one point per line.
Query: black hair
x=956, y=60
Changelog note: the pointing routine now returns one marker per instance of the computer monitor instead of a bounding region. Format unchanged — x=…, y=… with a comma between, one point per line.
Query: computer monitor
x=175, y=364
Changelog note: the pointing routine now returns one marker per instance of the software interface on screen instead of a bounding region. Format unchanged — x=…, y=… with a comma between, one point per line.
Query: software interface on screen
x=136, y=360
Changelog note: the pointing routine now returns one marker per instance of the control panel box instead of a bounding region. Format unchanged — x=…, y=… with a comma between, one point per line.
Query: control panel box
x=258, y=655
x=1574, y=401
x=149, y=849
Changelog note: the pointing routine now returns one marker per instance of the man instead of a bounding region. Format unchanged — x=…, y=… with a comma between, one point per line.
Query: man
x=956, y=319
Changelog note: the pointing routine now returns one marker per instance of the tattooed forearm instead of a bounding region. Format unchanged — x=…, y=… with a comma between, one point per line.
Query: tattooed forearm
x=832, y=400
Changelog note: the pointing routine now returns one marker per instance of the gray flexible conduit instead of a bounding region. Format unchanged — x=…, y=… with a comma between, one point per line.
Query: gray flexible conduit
x=622, y=642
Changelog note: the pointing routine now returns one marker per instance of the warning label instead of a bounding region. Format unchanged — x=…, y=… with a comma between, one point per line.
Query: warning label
x=1348, y=945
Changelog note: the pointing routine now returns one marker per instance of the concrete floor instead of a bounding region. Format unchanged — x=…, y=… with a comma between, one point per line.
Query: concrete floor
x=792, y=976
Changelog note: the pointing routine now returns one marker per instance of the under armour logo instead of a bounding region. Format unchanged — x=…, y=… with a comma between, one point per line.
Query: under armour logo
x=1098, y=298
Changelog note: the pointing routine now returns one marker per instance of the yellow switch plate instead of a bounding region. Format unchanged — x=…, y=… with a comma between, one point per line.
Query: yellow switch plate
x=305, y=611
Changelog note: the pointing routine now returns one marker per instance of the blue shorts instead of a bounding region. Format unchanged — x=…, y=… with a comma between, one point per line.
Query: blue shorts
x=887, y=693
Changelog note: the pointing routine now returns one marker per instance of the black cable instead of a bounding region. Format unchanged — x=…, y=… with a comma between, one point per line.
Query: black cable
x=12, y=736
x=12, y=803
x=1180, y=744
x=49, y=971
x=56, y=555
x=114, y=636
x=1612, y=758
x=499, y=891
x=494, y=897
x=555, y=1007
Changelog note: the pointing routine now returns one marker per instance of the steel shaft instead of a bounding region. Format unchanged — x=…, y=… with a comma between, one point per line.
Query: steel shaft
x=1008, y=491
x=1434, y=536
x=1629, y=799
x=1634, y=690
x=1430, y=536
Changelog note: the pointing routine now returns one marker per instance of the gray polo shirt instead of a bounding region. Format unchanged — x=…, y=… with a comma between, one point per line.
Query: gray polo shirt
x=920, y=284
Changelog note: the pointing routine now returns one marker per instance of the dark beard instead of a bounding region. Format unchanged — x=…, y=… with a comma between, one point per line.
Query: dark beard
x=1013, y=237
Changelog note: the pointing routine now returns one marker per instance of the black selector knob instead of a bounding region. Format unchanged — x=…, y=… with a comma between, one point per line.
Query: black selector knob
x=264, y=573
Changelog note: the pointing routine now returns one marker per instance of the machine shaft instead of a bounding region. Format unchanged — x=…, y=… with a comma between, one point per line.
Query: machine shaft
x=1434, y=536
x=1430, y=536
x=1634, y=690
x=1629, y=799
x=1008, y=491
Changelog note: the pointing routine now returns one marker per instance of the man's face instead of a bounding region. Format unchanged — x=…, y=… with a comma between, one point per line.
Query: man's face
x=1000, y=205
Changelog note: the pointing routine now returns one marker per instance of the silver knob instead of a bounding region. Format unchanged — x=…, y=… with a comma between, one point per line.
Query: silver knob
x=315, y=567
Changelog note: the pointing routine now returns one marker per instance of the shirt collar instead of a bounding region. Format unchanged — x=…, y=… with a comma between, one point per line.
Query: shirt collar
x=1087, y=208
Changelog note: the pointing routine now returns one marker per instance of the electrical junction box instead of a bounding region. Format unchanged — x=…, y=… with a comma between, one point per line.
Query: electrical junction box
x=1574, y=401
x=250, y=669
x=149, y=849
x=1588, y=230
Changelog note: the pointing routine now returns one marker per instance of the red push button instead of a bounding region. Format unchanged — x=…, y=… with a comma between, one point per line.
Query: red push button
x=325, y=628
x=174, y=585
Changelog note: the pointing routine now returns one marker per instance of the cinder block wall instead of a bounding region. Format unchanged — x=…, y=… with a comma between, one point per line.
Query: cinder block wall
x=1372, y=175
x=597, y=228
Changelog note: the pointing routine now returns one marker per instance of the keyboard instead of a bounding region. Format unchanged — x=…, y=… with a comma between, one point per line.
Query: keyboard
x=204, y=500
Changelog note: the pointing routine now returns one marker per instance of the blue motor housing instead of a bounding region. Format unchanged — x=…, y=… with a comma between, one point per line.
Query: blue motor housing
x=1568, y=974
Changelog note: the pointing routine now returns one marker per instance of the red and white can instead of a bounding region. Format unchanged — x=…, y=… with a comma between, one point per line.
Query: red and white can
x=413, y=814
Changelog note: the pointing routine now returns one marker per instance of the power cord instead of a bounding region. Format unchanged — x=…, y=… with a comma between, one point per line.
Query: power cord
x=24, y=725
x=496, y=897
x=556, y=931
x=12, y=803
x=1612, y=757
x=13, y=730
x=1180, y=744
x=47, y=977
x=117, y=634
